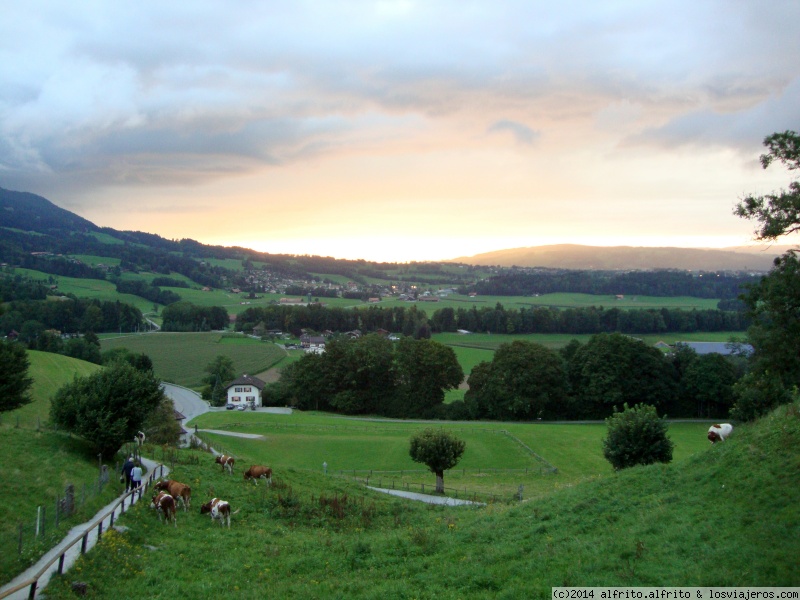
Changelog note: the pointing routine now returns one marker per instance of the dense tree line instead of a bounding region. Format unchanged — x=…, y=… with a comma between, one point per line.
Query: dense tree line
x=17, y=287
x=185, y=316
x=371, y=375
x=582, y=320
x=146, y=291
x=527, y=381
x=367, y=319
x=642, y=283
x=69, y=315
x=411, y=321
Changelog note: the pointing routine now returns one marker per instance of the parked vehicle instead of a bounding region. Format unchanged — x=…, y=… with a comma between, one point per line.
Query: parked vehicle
x=230, y=406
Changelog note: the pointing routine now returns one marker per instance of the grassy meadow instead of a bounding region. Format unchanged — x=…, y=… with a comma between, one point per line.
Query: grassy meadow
x=38, y=464
x=721, y=515
x=181, y=357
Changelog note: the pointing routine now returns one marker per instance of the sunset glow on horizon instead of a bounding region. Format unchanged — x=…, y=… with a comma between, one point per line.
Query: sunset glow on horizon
x=400, y=131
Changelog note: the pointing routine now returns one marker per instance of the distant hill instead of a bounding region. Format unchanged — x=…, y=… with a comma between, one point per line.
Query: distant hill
x=573, y=256
x=29, y=212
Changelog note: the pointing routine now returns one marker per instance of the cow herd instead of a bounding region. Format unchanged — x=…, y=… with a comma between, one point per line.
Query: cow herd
x=170, y=493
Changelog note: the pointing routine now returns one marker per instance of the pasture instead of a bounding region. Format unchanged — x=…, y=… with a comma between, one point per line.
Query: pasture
x=317, y=536
x=37, y=464
x=98, y=289
x=49, y=372
x=182, y=357
x=496, y=461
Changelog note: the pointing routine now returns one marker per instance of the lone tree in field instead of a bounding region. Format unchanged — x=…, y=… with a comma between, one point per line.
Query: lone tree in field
x=14, y=380
x=636, y=436
x=439, y=450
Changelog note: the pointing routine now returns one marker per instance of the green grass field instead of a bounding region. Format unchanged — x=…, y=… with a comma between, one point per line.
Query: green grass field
x=99, y=289
x=317, y=536
x=49, y=372
x=181, y=357
x=38, y=464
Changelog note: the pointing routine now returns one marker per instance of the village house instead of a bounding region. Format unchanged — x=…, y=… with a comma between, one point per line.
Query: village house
x=245, y=391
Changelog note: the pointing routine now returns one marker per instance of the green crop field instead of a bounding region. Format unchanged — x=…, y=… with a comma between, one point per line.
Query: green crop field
x=181, y=357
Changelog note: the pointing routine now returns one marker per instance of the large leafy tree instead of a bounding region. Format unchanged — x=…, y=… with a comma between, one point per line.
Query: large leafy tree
x=778, y=214
x=14, y=380
x=108, y=407
x=708, y=382
x=774, y=304
x=425, y=370
x=612, y=369
x=439, y=450
x=524, y=381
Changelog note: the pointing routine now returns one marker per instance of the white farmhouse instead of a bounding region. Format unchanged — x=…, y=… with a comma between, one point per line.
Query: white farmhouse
x=245, y=391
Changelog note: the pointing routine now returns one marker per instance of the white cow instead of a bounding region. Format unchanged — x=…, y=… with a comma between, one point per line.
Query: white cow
x=719, y=432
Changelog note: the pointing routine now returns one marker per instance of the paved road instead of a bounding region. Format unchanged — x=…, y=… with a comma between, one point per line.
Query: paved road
x=186, y=401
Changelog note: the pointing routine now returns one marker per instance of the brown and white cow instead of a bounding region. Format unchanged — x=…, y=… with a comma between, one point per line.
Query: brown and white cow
x=219, y=509
x=227, y=462
x=165, y=507
x=176, y=489
x=719, y=432
x=256, y=472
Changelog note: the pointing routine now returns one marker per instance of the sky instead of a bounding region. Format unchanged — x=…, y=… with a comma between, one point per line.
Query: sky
x=400, y=130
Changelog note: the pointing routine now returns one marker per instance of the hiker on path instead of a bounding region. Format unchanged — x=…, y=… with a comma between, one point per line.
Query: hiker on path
x=127, y=467
x=136, y=477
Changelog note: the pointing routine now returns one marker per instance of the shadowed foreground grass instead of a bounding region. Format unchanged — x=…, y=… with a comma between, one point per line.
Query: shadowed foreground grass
x=726, y=516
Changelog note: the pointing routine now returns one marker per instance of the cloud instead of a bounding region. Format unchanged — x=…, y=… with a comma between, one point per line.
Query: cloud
x=152, y=93
x=522, y=133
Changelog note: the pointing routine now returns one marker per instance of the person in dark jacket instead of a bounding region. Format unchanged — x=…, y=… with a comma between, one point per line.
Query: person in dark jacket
x=127, y=467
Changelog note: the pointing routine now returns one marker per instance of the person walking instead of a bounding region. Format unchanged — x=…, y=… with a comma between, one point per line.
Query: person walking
x=136, y=476
x=127, y=467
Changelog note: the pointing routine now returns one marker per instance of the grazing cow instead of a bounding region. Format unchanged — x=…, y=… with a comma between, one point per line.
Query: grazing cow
x=719, y=432
x=219, y=510
x=176, y=489
x=165, y=506
x=139, y=439
x=227, y=462
x=256, y=472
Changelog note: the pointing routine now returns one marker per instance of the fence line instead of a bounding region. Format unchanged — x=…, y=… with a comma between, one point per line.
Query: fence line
x=83, y=537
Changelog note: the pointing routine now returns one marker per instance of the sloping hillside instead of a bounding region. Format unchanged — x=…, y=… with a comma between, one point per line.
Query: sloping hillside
x=728, y=515
x=49, y=372
x=37, y=464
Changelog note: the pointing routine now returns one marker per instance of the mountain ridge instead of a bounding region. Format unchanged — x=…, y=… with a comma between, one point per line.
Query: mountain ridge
x=576, y=256
x=26, y=211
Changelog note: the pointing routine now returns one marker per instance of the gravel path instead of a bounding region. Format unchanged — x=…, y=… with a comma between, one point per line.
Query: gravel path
x=426, y=498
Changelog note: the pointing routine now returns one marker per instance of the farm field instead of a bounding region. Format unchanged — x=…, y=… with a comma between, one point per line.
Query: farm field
x=181, y=357
x=491, y=341
x=315, y=536
x=99, y=289
x=456, y=301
